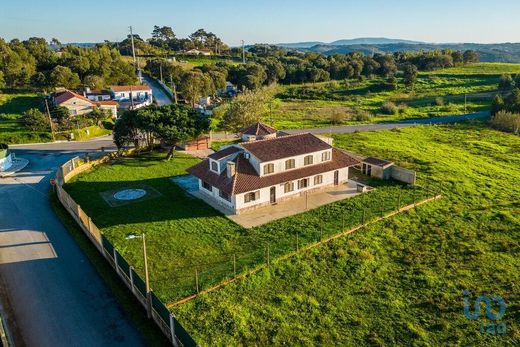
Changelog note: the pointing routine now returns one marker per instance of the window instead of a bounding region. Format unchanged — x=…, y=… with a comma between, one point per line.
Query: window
x=268, y=168
x=304, y=183
x=224, y=195
x=290, y=164
x=252, y=196
x=307, y=160
x=288, y=187
x=318, y=179
x=123, y=95
x=206, y=186
x=214, y=166
x=325, y=156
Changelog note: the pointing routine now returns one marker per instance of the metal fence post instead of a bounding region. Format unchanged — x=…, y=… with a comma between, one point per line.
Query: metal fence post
x=132, y=279
x=114, y=254
x=172, y=331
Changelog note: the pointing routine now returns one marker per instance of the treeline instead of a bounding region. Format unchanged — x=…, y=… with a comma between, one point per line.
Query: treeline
x=505, y=109
x=32, y=63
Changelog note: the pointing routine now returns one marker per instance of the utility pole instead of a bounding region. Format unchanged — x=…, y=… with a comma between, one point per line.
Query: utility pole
x=147, y=281
x=160, y=71
x=243, y=52
x=133, y=47
x=174, y=89
x=50, y=119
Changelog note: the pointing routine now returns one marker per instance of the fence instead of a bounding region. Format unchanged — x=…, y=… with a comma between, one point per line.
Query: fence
x=155, y=308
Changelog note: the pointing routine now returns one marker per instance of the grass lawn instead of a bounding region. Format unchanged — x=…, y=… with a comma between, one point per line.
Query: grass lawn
x=401, y=281
x=437, y=93
x=12, y=106
x=184, y=235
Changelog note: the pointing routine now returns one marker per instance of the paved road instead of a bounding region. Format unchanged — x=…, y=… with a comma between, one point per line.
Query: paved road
x=159, y=94
x=51, y=293
x=386, y=126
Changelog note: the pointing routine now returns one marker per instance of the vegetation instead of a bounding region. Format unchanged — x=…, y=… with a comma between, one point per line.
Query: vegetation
x=506, y=121
x=31, y=63
x=170, y=124
x=398, y=282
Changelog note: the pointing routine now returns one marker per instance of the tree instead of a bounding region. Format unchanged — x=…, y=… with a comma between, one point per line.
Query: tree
x=409, y=75
x=126, y=130
x=194, y=85
x=62, y=76
x=497, y=104
x=245, y=109
x=35, y=120
x=94, y=82
x=513, y=101
x=178, y=123
x=506, y=82
x=60, y=114
x=470, y=56
x=2, y=81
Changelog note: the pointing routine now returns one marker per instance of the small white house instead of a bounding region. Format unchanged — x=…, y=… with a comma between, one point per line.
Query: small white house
x=262, y=172
x=139, y=93
x=201, y=51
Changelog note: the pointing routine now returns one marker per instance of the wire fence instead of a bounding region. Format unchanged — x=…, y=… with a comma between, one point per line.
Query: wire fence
x=156, y=309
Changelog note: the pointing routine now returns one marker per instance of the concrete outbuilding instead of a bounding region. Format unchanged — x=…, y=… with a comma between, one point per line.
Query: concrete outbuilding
x=376, y=167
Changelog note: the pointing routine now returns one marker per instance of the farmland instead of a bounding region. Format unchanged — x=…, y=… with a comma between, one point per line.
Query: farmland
x=400, y=280
x=450, y=91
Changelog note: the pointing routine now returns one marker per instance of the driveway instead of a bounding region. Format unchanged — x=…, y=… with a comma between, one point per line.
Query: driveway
x=52, y=295
x=159, y=94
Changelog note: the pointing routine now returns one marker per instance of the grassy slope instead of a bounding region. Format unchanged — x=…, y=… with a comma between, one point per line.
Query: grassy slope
x=399, y=282
x=298, y=108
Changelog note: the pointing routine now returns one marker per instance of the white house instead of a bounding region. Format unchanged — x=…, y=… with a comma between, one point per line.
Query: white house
x=201, y=51
x=140, y=94
x=256, y=173
x=79, y=105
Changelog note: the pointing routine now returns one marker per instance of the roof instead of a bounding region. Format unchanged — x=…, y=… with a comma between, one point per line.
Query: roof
x=107, y=102
x=377, y=162
x=98, y=92
x=258, y=129
x=224, y=153
x=142, y=87
x=285, y=146
x=247, y=179
x=61, y=97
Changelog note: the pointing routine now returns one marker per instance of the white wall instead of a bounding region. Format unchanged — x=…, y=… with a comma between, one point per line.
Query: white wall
x=137, y=95
x=279, y=165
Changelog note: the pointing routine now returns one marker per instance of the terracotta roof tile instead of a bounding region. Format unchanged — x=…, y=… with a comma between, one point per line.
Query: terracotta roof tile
x=247, y=179
x=224, y=152
x=285, y=146
x=258, y=129
x=67, y=95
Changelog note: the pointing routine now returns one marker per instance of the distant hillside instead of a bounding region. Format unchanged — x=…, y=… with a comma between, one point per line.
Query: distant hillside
x=297, y=45
x=371, y=41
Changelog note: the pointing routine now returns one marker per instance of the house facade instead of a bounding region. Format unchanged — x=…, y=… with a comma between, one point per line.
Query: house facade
x=139, y=93
x=201, y=51
x=248, y=175
x=79, y=105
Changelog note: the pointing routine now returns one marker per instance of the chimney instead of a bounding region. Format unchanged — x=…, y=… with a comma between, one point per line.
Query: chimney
x=231, y=169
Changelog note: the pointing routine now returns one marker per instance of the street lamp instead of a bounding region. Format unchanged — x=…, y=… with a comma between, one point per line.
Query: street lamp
x=146, y=279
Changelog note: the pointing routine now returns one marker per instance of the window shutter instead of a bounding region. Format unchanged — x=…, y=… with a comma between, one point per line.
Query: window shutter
x=257, y=195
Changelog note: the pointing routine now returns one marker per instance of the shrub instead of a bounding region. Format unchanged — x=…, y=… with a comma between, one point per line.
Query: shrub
x=35, y=120
x=362, y=115
x=389, y=108
x=506, y=121
x=337, y=117
x=439, y=101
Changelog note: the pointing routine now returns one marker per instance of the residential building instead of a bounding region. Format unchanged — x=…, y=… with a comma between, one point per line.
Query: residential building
x=97, y=95
x=198, y=51
x=132, y=96
x=256, y=173
x=79, y=105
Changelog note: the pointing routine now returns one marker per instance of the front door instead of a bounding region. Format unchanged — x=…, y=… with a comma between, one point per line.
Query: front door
x=336, y=177
x=273, y=195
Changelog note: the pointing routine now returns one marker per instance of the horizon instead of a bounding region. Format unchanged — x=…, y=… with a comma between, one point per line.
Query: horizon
x=330, y=21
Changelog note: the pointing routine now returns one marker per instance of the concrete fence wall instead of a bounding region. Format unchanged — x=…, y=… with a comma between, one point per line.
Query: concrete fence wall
x=403, y=175
x=165, y=320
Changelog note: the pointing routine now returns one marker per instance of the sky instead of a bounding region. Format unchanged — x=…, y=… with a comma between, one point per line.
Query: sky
x=265, y=21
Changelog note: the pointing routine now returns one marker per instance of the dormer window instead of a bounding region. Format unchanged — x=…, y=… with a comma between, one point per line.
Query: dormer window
x=214, y=166
x=290, y=164
x=268, y=169
x=325, y=156
x=308, y=160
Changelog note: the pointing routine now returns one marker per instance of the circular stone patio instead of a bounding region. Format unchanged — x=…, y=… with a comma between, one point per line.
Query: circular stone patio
x=129, y=194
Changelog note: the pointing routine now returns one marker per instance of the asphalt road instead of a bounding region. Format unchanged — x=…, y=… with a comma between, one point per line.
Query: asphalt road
x=51, y=294
x=159, y=94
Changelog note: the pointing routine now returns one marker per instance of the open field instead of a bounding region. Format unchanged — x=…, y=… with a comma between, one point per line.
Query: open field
x=184, y=235
x=438, y=93
x=401, y=281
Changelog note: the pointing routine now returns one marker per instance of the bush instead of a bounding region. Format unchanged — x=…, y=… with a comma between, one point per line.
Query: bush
x=439, y=101
x=362, y=115
x=506, y=121
x=337, y=117
x=35, y=120
x=389, y=108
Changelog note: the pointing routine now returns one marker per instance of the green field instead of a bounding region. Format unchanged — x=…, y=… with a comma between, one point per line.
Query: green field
x=12, y=106
x=437, y=93
x=401, y=281
x=184, y=235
